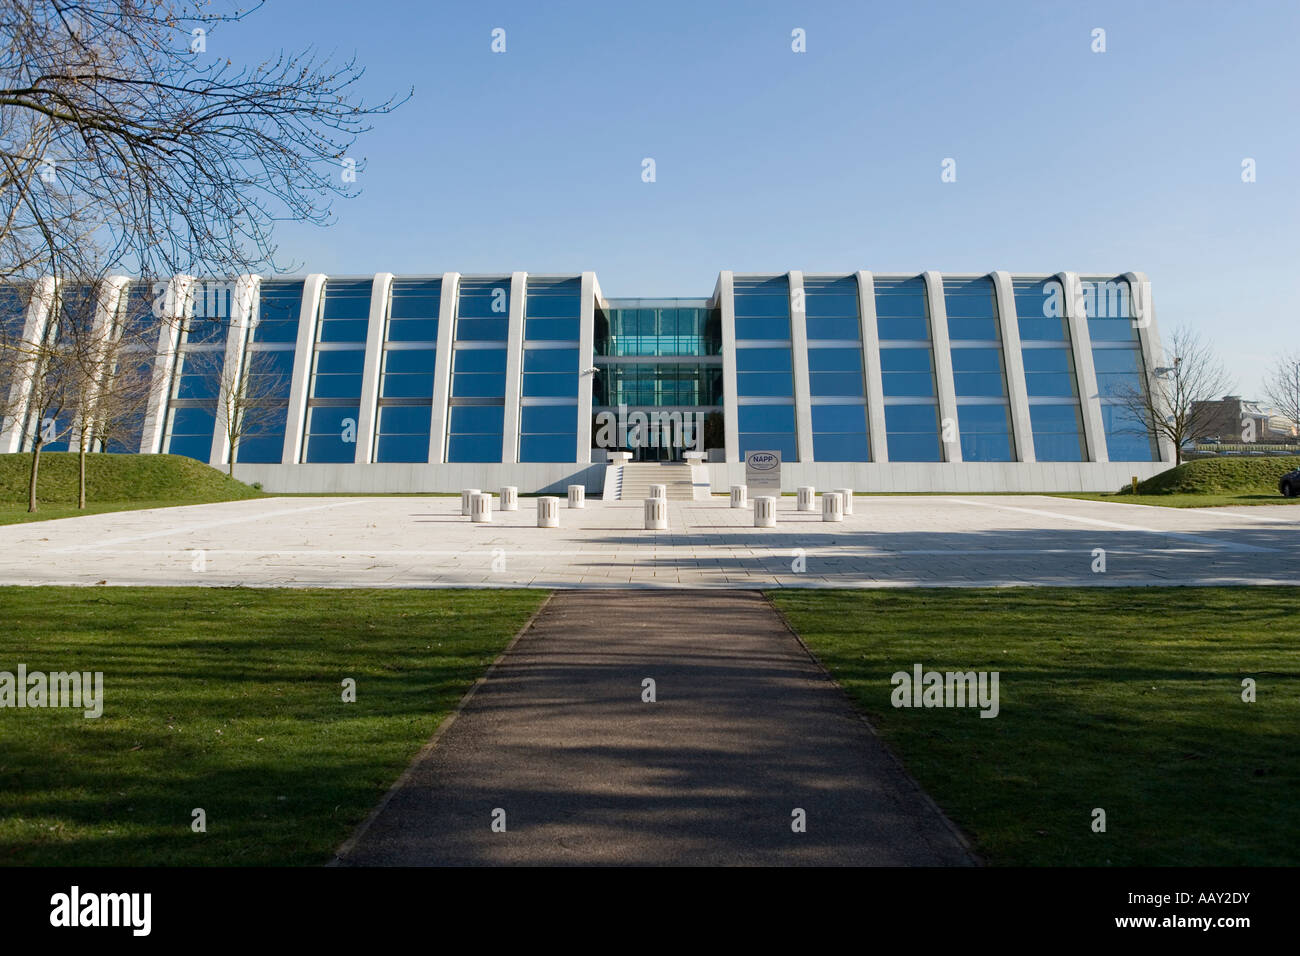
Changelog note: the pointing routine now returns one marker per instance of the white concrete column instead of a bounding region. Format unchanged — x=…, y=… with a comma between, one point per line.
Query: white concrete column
x=303, y=359
x=175, y=308
x=871, y=377
x=586, y=359
x=730, y=405
x=103, y=333
x=1014, y=363
x=448, y=295
x=35, y=322
x=1094, y=429
x=943, y=378
x=369, y=412
x=232, y=366
x=802, y=380
x=1143, y=311
x=514, y=368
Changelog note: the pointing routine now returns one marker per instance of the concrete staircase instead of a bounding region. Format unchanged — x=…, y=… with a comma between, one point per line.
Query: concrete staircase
x=637, y=478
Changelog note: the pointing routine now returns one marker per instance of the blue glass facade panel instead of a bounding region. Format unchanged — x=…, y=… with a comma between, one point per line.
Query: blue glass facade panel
x=912, y=432
x=1058, y=432
x=985, y=432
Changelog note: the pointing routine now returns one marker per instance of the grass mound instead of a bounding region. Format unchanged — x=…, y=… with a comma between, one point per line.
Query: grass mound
x=1220, y=476
x=119, y=478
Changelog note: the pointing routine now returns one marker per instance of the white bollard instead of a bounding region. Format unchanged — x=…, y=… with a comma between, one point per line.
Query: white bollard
x=832, y=506
x=509, y=498
x=659, y=491
x=807, y=498
x=548, y=512
x=764, y=512
x=465, y=497
x=847, y=495
x=739, y=496
x=480, y=508
x=576, y=496
x=656, y=514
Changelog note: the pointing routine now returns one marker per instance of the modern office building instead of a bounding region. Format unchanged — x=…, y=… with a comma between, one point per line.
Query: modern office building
x=924, y=382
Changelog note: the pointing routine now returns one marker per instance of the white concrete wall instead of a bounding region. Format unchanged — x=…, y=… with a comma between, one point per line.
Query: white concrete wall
x=951, y=477
x=449, y=294
x=586, y=359
x=514, y=369
x=803, y=431
x=179, y=289
x=1013, y=360
x=368, y=415
x=876, y=434
x=725, y=294
x=944, y=383
x=39, y=307
x=394, y=477
x=244, y=301
x=303, y=356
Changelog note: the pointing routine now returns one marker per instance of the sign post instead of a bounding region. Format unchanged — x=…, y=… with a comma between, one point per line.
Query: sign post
x=763, y=473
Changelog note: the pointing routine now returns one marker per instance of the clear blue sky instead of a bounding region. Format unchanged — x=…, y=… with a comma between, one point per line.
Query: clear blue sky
x=828, y=160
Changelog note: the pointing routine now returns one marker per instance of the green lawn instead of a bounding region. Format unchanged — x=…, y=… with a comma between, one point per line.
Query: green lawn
x=1123, y=699
x=229, y=700
x=113, y=483
x=1182, y=500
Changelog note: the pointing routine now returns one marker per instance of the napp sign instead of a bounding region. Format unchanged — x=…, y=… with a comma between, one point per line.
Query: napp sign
x=763, y=472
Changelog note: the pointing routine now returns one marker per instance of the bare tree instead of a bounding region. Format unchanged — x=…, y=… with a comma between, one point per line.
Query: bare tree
x=119, y=386
x=1282, y=389
x=126, y=139
x=128, y=145
x=253, y=406
x=51, y=377
x=1169, y=398
x=251, y=397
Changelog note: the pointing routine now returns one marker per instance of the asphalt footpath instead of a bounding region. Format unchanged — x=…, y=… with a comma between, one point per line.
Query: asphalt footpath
x=747, y=755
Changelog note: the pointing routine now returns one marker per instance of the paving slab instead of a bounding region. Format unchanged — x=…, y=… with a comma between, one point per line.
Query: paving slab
x=746, y=729
x=932, y=540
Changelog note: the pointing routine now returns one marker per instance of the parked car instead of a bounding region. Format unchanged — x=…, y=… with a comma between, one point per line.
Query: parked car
x=1289, y=484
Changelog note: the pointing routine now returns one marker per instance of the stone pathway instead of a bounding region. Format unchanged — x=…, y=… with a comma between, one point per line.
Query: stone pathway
x=746, y=729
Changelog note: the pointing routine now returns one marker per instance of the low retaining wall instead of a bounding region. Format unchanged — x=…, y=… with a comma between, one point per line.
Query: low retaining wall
x=394, y=478
x=952, y=477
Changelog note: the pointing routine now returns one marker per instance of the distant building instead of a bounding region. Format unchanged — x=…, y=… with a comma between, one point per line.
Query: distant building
x=1227, y=420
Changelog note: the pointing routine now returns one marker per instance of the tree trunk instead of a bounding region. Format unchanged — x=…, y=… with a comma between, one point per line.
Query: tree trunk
x=31, y=481
x=81, y=472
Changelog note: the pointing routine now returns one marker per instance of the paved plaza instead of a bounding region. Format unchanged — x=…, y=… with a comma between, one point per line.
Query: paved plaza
x=937, y=541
